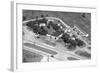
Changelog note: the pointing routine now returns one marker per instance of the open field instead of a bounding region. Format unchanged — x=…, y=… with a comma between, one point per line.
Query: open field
x=29, y=56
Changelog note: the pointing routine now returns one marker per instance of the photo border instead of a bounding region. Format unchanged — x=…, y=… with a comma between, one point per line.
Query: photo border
x=16, y=59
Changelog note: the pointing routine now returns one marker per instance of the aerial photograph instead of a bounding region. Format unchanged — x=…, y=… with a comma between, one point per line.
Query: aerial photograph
x=52, y=36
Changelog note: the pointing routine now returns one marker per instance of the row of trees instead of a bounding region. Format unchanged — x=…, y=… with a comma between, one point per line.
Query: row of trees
x=72, y=43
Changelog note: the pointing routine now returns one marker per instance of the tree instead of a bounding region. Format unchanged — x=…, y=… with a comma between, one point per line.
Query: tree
x=42, y=31
x=66, y=38
x=57, y=33
x=71, y=47
x=84, y=15
x=36, y=29
x=54, y=25
x=79, y=42
x=73, y=43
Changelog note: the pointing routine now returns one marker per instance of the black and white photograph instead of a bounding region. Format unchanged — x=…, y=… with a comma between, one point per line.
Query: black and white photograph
x=53, y=36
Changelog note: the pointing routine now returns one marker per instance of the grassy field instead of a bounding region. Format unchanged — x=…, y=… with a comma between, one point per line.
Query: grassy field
x=29, y=56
